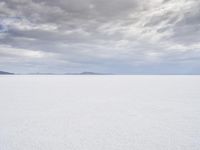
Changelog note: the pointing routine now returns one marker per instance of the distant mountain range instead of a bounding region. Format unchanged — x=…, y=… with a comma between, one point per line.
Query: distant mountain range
x=5, y=73
x=82, y=73
x=85, y=73
x=90, y=73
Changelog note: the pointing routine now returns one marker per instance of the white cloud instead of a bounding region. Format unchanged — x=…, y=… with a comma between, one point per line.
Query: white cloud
x=24, y=24
x=24, y=53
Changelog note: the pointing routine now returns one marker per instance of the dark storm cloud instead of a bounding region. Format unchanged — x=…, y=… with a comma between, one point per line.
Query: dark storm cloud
x=117, y=36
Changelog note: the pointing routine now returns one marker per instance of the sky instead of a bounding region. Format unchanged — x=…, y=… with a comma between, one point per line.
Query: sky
x=104, y=36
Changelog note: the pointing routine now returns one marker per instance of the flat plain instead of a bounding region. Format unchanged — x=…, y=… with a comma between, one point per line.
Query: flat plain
x=99, y=112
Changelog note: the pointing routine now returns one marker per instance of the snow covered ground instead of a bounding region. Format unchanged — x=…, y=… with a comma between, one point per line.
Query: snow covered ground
x=99, y=112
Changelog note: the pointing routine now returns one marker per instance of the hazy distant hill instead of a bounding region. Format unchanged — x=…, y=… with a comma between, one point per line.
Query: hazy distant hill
x=87, y=73
x=5, y=73
x=90, y=73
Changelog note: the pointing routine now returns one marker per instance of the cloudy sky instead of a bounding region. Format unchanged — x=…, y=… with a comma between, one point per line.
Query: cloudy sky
x=108, y=36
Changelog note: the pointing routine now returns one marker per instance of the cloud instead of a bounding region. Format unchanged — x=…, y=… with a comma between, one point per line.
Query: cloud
x=30, y=54
x=98, y=35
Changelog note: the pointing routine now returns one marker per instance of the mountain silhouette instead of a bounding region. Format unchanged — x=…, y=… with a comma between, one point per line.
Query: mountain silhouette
x=5, y=73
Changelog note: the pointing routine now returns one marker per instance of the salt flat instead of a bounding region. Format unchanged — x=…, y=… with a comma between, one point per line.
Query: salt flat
x=99, y=112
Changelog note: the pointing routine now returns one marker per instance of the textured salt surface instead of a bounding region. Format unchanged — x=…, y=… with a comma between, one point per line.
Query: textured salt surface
x=99, y=113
